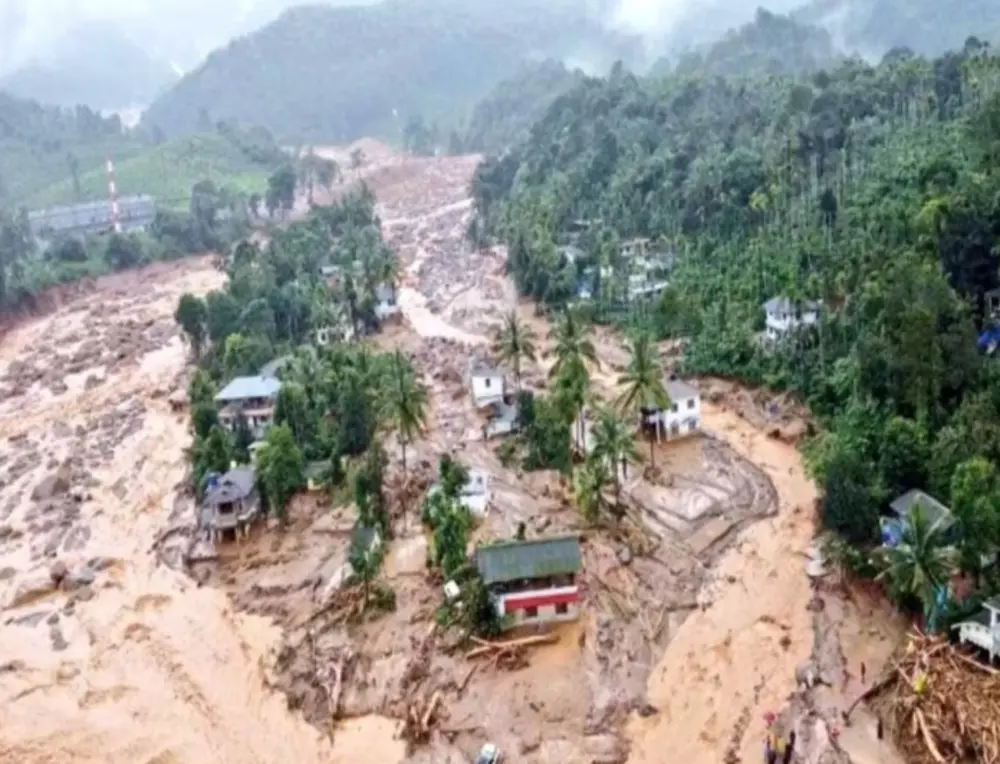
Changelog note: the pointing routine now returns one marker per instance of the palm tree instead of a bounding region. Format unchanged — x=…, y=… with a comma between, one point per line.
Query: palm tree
x=406, y=402
x=923, y=561
x=515, y=341
x=615, y=445
x=643, y=381
x=589, y=485
x=572, y=337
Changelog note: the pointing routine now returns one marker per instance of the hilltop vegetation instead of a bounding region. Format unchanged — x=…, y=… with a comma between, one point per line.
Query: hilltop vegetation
x=505, y=116
x=168, y=171
x=376, y=66
x=873, y=189
x=40, y=145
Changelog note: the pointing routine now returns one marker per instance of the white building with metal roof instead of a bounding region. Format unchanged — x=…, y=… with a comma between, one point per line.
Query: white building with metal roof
x=252, y=398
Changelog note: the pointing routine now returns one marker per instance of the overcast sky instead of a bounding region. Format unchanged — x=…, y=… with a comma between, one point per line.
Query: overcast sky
x=184, y=31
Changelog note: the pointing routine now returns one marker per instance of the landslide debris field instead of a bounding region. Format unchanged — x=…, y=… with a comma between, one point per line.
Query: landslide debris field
x=695, y=610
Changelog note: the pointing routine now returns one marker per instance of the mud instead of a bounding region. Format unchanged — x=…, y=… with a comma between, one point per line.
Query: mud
x=696, y=610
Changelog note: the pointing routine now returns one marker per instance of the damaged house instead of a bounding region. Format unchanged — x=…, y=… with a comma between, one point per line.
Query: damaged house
x=489, y=393
x=252, y=398
x=231, y=503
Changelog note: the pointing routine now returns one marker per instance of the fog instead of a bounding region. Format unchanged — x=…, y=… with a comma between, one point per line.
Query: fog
x=183, y=32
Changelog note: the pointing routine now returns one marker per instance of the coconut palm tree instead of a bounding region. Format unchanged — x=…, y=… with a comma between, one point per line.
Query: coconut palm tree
x=515, y=341
x=572, y=338
x=923, y=561
x=642, y=383
x=615, y=445
x=589, y=485
x=406, y=402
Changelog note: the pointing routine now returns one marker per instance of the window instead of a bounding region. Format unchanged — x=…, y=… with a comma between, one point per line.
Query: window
x=690, y=403
x=562, y=608
x=486, y=382
x=531, y=612
x=673, y=407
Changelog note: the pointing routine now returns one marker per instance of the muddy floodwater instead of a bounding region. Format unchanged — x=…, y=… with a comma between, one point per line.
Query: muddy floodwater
x=108, y=655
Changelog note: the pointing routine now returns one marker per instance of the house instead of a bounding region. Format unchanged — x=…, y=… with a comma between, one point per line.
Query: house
x=230, y=503
x=782, y=316
x=533, y=581
x=250, y=397
x=682, y=417
x=89, y=218
x=476, y=493
x=902, y=509
x=486, y=384
x=386, y=304
x=983, y=629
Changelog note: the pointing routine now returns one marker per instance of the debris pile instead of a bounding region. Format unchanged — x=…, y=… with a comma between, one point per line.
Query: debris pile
x=942, y=705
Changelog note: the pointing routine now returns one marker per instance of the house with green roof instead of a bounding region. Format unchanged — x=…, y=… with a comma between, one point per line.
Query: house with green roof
x=533, y=582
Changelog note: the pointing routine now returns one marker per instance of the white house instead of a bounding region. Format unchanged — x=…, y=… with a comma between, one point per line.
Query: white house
x=783, y=316
x=534, y=581
x=486, y=384
x=683, y=416
x=386, y=304
x=476, y=493
x=983, y=629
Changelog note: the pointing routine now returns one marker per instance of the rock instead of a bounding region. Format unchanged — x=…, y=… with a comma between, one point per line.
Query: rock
x=53, y=619
x=52, y=485
x=606, y=749
x=58, y=572
x=81, y=578
x=83, y=594
x=59, y=642
x=98, y=564
x=646, y=710
x=531, y=743
x=625, y=555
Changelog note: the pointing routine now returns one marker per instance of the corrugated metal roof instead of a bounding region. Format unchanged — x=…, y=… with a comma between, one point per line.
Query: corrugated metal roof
x=236, y=484
x=785, y=305
x=91, y=214
x=905, y=504
x=242, y=388
x=538, y=558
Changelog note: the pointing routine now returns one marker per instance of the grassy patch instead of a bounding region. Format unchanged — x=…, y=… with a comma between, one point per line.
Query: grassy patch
x=167, y=172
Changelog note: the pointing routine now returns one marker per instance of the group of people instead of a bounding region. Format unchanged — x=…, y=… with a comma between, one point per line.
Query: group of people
x=777, y=748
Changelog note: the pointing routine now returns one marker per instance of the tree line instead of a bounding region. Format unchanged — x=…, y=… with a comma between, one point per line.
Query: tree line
x=872, y=189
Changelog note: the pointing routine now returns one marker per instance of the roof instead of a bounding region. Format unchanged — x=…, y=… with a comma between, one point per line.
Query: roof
x=236, y=484
x=993, y=603
x=242, y=388
x=538, y=558
x=679, y=390
x=90, y=214
x=478, y=483
x=481, y=368
x=905, y=504
x=785, y=305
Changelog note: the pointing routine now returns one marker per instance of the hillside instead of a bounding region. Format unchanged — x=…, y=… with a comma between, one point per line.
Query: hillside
x=376, y=66
x=505, y=116
x=40, y=145
x=93, y=64
x=167, y=172
x=770, y=45
x=929, y=27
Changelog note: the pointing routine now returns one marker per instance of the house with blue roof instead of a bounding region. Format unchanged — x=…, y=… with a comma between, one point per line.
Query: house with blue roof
x=251, y=398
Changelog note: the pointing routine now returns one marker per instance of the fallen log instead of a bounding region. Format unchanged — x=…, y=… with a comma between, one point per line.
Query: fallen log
x=540, y=639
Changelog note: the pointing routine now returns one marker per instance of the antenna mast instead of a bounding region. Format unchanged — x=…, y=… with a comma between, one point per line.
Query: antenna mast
x=113, y=197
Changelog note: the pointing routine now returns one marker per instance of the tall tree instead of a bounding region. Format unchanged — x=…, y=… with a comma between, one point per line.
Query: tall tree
x=192, y=315
x=281, y=469
x=642, y=383
x=406, y=401
x=514, y=343
x=614, y=443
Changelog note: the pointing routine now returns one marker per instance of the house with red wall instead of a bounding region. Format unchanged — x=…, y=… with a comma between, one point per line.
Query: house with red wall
x=533, y=582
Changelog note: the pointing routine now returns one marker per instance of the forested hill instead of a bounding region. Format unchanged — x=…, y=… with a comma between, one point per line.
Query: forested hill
x=506, y=115
x=40, y=145
x=320, y=73
x=771, y=44
x=873, y=189
x=930, y=27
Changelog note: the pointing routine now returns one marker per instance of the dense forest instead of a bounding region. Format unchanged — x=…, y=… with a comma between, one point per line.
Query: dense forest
x=874, y=190
x=377, y=66
x=507, y=113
